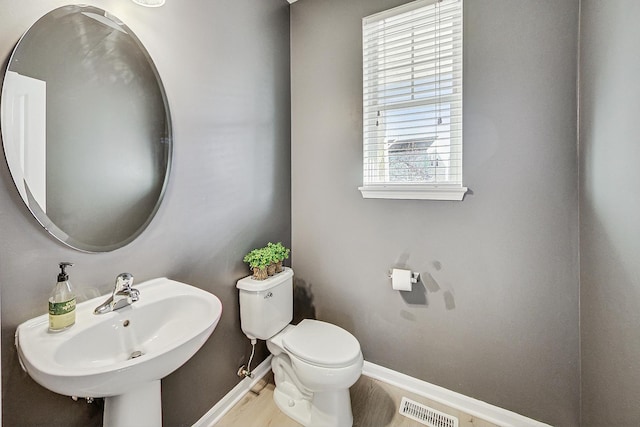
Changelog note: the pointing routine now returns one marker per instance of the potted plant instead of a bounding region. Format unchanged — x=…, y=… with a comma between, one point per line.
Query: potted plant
x=271, y=254
x=278, y=253
x=258, y=260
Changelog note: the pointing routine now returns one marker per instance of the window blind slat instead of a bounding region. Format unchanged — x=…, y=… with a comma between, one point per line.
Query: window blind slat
x=411, y=40
x=410, y=124
x=426, y=15
x=401, y=65
x=422, y=34
x=426, y=91
x=391, y=14
x=378, y=57
x=417, y=132
x=423, y=30
x=373, y=115
x=405, y=73
x=382, y=126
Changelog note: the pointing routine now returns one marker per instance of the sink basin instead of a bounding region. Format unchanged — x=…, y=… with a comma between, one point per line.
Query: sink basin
x=121, y=352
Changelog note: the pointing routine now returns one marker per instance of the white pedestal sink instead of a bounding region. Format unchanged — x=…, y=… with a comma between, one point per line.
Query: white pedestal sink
x=122, y=355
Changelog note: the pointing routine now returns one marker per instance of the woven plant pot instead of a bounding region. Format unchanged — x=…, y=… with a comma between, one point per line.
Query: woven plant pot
x=279, y=268
x=271, y=269
x=260, y=273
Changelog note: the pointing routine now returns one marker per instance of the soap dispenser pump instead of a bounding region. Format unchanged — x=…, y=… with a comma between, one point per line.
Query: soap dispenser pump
x=62, y=302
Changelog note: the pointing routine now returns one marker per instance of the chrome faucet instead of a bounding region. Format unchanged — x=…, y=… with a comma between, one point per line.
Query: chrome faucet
x=122, y=296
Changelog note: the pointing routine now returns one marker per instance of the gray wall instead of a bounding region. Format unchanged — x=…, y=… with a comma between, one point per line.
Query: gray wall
x=497, y=315
x=609, y=212
x=225, y=66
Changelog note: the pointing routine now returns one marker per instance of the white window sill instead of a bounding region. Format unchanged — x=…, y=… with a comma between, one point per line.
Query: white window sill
x=413, y=192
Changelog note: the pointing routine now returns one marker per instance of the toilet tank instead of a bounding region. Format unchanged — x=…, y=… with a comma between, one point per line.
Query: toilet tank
x=266, y=306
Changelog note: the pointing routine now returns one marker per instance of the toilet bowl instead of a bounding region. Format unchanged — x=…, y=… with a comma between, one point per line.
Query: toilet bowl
x=314, y=363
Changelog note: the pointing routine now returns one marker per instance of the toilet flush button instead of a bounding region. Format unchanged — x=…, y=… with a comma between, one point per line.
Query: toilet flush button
x=292, y=403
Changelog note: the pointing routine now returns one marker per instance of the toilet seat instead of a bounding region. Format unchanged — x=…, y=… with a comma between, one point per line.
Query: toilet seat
x=322, y=344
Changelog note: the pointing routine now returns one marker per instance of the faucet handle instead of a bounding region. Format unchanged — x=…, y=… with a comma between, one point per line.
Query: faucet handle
x=134, y=295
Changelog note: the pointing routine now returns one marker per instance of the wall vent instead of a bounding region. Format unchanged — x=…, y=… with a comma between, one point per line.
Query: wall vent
x=425, y=415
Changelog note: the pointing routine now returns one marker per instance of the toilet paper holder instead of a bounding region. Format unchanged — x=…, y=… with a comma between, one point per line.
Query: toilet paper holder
x=414, y=276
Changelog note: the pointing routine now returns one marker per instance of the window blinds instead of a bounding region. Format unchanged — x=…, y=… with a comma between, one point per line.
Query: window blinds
x=412, y=95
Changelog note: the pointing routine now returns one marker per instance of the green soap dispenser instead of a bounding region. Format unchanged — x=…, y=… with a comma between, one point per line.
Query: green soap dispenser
x=62, y=302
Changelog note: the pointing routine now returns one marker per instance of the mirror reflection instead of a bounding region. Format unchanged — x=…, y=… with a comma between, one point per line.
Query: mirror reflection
x=86, y=128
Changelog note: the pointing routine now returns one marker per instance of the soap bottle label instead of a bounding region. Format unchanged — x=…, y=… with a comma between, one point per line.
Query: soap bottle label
x=62, y=314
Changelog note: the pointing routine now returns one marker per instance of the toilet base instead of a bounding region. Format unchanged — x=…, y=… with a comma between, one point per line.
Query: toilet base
x=331, y=409
x=298, y=409
x=325, y=409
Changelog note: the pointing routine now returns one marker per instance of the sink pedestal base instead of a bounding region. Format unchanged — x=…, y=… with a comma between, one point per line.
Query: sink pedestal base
x=142, y=406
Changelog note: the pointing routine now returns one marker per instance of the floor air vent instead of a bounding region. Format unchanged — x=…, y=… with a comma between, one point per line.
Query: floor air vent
x=425, y=415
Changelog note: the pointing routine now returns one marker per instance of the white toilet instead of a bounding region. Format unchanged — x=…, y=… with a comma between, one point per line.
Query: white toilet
x=314, y=363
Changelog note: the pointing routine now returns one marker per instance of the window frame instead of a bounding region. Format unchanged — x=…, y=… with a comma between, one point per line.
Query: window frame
x=385, y=188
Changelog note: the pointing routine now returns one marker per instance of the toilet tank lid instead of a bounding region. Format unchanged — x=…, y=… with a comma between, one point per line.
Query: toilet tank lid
x=322, y=344
x=250, y=284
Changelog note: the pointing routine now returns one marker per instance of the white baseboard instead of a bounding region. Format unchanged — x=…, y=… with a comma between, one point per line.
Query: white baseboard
x=471, y=406
x=230, y=399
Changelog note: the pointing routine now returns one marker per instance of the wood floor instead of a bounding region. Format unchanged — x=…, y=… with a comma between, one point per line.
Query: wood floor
x=374, y=403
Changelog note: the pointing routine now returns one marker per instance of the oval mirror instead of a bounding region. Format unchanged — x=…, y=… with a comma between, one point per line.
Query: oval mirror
x=86, y=128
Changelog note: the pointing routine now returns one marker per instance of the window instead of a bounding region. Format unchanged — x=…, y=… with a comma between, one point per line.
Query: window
x=412, y=99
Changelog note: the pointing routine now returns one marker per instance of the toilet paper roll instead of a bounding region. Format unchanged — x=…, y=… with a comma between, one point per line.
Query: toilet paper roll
x=401, y=279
